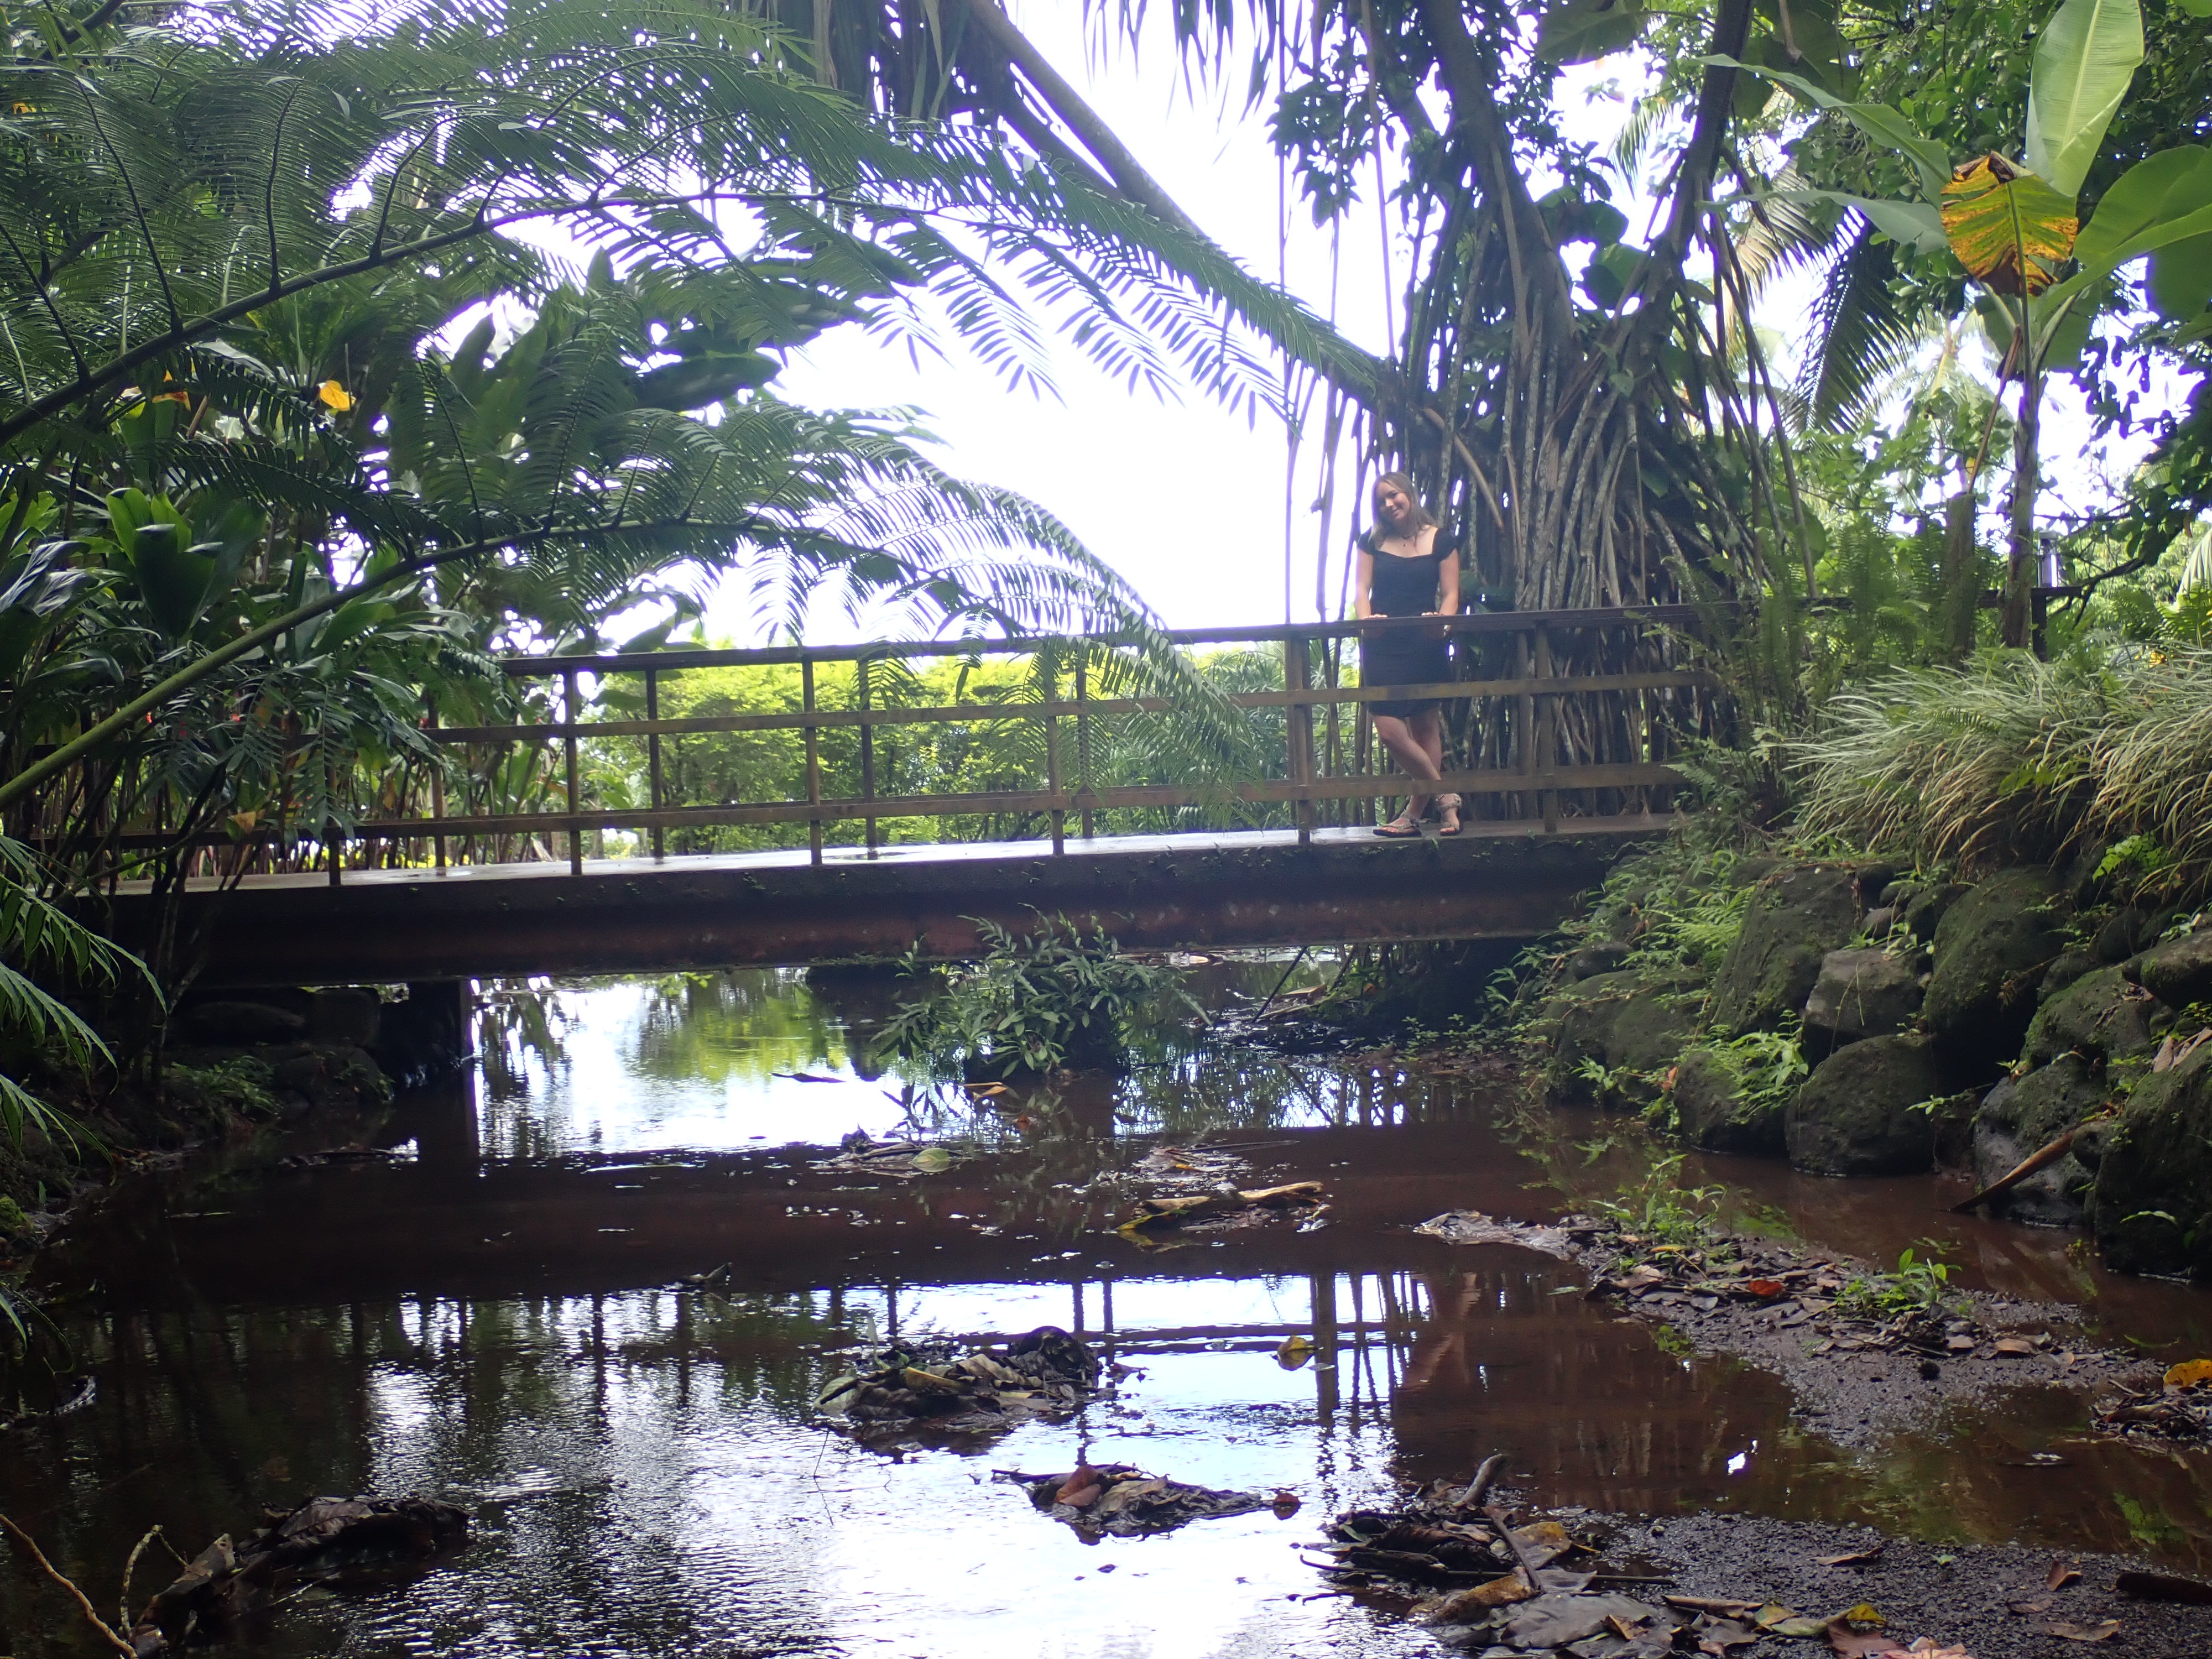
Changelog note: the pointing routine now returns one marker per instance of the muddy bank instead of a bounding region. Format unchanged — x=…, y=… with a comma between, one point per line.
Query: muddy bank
x=1866, y=1353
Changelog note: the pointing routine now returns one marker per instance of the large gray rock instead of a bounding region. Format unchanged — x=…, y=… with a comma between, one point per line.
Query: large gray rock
x=1862, y=994
x=2179, y=972
x=1854, y=1115
x=1992, y=949
x=1582, y=1016
x=2152, y=1201
x=1792, y=920
x=2021, y=1115
x=349, y=1015
x=309, y=1075
x=1712, y=1111
x=2100, y=1015
x=1647, y=1035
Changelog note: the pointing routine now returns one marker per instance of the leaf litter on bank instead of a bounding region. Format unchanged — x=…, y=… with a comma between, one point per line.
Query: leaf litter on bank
x=1496, y=1583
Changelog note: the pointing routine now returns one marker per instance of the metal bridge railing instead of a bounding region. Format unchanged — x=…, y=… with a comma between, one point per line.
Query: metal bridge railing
x=1561, y=721
x=1542, y=676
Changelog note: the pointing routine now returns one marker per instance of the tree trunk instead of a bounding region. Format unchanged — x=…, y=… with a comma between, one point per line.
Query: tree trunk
x=2021, y=572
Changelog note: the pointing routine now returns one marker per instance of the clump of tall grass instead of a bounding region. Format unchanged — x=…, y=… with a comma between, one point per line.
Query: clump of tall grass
x=2006, y=759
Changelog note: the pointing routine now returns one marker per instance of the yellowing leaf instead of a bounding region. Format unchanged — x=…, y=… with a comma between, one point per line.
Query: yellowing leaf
x=2189, y=1373
x=932, y=1160
x=2008, y=226
x=1294, y=1352
x=335, y=395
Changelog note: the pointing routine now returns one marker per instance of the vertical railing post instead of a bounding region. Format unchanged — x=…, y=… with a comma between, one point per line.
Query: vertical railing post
x=437, y=785
x=575, y=781
x=1547, y=728
x=867, y=759
x=653, y=760
x=1050, y=661
x=1083, y=740
x=333, y=838
x=1298, y=725
x=1524, y=722
x=813, y=759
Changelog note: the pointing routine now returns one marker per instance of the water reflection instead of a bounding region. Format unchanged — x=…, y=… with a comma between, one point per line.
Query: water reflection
x=478, y=1321
x=771, y=1055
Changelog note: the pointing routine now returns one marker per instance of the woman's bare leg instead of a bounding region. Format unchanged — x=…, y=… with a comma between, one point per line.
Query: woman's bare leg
x=1412, y=755
x=1427, y=729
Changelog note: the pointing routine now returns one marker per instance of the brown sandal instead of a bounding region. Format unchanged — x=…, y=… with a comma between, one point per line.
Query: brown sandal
x=1401, y=828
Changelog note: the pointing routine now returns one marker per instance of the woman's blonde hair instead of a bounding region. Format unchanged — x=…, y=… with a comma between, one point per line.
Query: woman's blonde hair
x=1422, y=518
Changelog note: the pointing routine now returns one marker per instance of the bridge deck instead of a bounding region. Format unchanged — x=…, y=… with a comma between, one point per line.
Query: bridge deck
x=1499, y=879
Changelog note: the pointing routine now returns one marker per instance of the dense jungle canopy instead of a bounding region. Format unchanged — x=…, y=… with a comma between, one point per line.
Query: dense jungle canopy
x=345, y=351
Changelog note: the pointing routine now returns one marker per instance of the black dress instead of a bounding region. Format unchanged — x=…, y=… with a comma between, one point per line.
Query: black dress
x=1405, y=586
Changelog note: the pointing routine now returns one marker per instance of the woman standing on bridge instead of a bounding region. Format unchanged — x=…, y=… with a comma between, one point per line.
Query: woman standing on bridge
x=1408, y=567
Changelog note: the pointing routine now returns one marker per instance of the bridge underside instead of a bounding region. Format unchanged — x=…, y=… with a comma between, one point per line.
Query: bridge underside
x=634, y=916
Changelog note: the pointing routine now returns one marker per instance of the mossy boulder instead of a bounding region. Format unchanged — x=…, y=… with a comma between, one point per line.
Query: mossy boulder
x=1992, y=949
x=1862, y=994
x=1581, y=1017
x=1631, y=1020
x=2021, y=1115
x=2151, y=1202
x=1714, y=1112
x=2179, y=971
x=1854, y=1115
x=1793, y=919
x=2100, y=1015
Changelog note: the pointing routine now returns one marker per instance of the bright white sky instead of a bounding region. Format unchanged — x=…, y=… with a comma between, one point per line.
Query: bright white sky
x=1186, y=500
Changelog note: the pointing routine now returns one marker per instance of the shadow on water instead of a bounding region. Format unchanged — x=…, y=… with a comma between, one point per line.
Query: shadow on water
x=475, y=1317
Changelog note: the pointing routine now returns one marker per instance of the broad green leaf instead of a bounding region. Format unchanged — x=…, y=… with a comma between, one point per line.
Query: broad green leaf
x=174, y=580
x=1878, y=121
x=2088, y=53
x=2181, y=278
x=2155, y=191
x=1576, y=30
x=2008, y=227
x=1916, y=224
x=2196, y=8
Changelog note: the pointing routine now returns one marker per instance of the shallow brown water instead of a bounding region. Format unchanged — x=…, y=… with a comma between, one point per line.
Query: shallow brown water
x=479, y=1319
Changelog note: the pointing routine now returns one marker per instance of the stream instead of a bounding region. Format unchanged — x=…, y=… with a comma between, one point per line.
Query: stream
x=474, y=1299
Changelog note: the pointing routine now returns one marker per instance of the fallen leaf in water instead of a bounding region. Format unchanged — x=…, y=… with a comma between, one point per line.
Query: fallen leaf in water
x=2189, y=1373
x=1472, y=1606
x=1294, y=1352
x=2012, y=1347
x=1871, y=1554
x=1081, y=1489
x=809, y=1077
x=1285, y=1505
x=932, y=1160
x=2062, y=1575
x=2103, y=1632
x=2164, y=1587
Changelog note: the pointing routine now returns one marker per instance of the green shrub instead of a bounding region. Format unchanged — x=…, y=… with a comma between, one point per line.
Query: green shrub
x=1035, y=1001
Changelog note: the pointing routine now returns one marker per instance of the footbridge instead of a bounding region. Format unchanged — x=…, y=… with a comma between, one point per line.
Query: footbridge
x=897, y=795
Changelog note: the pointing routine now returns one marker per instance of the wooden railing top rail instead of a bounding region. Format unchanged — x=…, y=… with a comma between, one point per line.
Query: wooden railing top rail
x=1472, y=623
